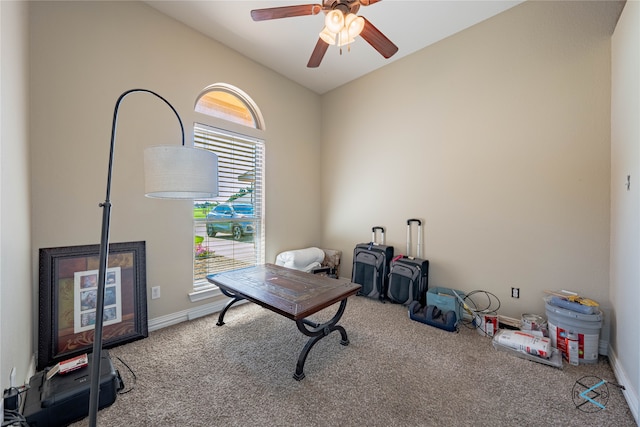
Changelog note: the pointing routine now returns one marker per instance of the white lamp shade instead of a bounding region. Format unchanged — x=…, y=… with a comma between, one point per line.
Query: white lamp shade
x=344, y=38
x=334, y=21
x=354, y=25
x=179, y=172
x=328, y=36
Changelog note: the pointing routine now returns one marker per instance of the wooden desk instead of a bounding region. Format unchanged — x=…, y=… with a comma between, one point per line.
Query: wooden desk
x=292, y=294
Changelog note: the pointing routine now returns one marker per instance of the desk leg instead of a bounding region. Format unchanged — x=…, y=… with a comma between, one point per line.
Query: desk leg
x=317, y=332
x=235, y=299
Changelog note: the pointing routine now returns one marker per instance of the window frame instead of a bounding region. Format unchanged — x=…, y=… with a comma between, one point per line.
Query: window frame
x=245, y=99
x=217, y=125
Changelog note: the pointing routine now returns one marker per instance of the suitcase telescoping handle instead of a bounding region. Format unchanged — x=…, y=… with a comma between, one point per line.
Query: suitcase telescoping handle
x=419, y=244
x=373, y=234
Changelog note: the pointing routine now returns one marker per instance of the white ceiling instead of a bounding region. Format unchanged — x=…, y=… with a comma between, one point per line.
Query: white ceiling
x=285, y=45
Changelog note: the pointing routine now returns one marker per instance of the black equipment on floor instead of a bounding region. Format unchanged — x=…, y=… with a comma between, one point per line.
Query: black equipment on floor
x=433, y=316
x=64, y=398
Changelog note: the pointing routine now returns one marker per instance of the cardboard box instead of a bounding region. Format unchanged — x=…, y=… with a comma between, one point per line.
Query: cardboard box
x=446, y=300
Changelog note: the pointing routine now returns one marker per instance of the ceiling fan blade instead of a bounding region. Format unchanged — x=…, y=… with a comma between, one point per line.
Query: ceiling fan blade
x=285, y=12
x=318, y=54
x=368, y=2
x=379, y=41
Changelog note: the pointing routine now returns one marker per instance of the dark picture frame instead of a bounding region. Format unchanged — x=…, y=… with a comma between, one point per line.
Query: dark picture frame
x=68, y=277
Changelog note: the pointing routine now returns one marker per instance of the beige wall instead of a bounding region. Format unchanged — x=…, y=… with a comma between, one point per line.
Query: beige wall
x=625, y=203
x=84, y=55
x=16, y=298
x=498, y=138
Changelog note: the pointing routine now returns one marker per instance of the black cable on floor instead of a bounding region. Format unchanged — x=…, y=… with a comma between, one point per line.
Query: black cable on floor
x=14, y=418
x=473, y=305
x=133, y=375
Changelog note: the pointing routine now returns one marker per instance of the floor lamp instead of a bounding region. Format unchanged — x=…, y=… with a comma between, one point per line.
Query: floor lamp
x=174, y=172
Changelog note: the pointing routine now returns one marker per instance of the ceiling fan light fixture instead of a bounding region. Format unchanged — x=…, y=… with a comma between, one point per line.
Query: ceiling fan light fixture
x=334, y=21
x=354, y=25
x=344, y=38
x=327, y=36
x=342, y=26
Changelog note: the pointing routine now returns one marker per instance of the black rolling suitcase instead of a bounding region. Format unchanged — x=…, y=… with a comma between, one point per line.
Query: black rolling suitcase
x=371, y=266
x=408, y=275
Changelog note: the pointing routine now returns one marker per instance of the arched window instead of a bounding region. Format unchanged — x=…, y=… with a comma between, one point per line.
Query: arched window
x=229, y=230
x=229, y=103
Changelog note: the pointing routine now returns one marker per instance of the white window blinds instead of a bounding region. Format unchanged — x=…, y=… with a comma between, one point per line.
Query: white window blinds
x=232, y=232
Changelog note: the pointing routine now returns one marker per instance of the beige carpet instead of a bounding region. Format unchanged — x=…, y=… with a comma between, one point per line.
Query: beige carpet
x=394, y=372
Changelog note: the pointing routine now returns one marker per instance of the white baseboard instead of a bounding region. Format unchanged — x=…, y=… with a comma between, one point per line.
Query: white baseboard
x=182, y=316
x=630, y=393
x=190, y=314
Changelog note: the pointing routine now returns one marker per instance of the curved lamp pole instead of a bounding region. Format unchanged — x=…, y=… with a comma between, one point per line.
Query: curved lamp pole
x=176, y=172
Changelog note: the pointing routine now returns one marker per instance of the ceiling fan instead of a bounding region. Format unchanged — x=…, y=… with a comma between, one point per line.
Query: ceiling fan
x=342, y=25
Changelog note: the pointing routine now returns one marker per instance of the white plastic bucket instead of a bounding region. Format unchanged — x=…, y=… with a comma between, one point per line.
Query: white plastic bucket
x=566, y=325
x=535, y=324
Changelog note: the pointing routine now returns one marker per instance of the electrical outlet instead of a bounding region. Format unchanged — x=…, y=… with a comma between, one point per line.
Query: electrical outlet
x=515, y=292
x=155, y=292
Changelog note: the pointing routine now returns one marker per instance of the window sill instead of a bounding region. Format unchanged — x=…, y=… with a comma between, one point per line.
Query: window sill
x=203, y=294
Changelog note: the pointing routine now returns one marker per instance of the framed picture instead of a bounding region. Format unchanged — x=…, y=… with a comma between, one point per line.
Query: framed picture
x=68, y=294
